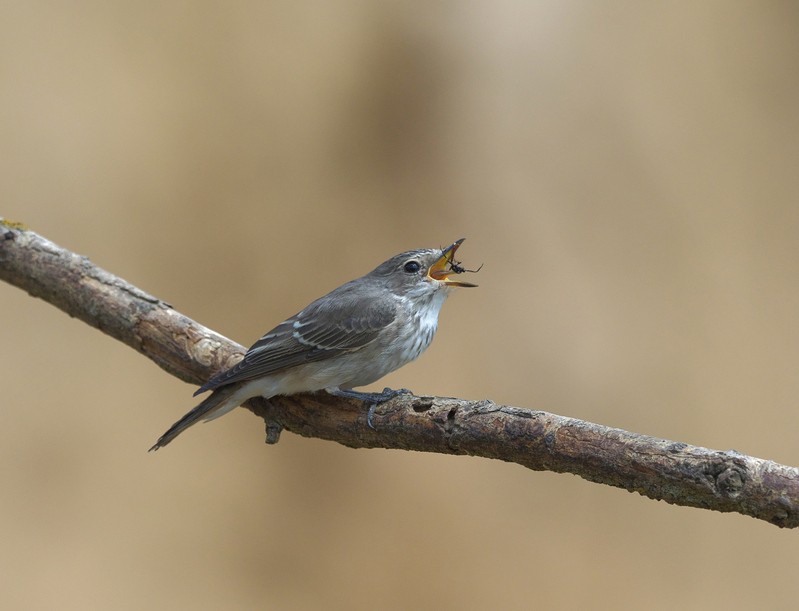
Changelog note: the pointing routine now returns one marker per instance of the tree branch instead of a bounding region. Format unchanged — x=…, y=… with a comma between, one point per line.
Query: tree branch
x=675, y=472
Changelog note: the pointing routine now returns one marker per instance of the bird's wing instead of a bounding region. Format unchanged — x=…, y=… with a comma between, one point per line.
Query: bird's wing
x=339, y=322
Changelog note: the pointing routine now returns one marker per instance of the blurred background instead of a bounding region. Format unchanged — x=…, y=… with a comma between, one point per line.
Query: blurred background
x=628, y=173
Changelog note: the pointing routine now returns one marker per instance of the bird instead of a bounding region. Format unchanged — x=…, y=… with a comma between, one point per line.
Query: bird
x=350, y=337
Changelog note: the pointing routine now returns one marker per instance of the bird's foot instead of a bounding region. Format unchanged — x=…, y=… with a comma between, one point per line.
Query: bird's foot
x=373, y=398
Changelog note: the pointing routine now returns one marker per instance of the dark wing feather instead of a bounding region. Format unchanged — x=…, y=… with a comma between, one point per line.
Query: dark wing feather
x=342, y=321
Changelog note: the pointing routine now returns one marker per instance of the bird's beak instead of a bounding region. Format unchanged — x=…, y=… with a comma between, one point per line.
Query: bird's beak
x=443, y=269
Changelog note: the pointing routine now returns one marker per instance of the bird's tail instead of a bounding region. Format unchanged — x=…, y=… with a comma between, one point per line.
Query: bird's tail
x=218, y=403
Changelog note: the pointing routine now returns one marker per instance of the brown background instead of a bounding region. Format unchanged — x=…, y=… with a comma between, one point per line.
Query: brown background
x=628, y=172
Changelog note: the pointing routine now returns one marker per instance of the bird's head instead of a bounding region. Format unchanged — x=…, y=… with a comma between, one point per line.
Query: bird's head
x=423, y=272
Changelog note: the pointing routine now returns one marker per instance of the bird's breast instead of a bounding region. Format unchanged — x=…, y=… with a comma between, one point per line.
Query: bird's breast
x=409, y=336
x=415, y=330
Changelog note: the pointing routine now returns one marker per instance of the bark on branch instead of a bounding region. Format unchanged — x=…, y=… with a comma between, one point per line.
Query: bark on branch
x=665, y=470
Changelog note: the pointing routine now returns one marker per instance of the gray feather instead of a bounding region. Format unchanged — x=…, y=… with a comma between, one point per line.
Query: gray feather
x=342, y=321
x=203, y=411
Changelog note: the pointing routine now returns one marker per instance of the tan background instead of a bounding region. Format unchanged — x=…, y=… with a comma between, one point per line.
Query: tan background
x=628, y=172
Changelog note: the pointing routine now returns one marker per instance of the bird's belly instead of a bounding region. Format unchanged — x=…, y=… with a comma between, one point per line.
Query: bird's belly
x=353, y=369
x=384, y=359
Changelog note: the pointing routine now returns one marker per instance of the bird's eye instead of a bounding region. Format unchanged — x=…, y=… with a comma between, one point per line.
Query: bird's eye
x=412, y=267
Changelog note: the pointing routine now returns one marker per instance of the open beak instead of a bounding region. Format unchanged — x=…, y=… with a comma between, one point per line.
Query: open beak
x=442, y=270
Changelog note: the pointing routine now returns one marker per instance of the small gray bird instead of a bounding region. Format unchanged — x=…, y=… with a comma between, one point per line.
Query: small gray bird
x=351, y=337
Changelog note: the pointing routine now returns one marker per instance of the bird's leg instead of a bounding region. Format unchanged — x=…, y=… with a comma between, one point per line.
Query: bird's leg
x=373, y=398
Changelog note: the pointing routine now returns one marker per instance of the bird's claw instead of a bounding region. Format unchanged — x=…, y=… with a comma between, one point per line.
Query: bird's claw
x=369, y=413
x=373, y=398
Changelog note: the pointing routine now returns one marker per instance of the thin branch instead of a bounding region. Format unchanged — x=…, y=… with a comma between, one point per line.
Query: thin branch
x=675, y=472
